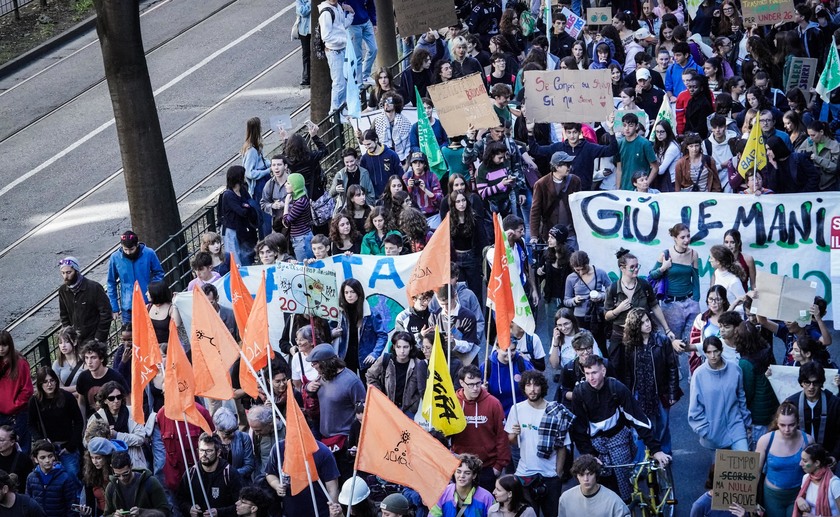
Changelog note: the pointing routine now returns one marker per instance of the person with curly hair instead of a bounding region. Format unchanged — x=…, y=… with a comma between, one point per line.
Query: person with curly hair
x=651, y=373
x=344, y=237
x=378, y=226
x=415, y=229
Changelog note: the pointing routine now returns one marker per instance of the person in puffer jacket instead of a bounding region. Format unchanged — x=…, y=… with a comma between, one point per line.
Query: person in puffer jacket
x=50, y=485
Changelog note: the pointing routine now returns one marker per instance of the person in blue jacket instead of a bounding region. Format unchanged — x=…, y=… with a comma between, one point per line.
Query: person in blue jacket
x=437, y=128
x=134, y=261
x=52, y=487
x=498, y=377
x=361, y=334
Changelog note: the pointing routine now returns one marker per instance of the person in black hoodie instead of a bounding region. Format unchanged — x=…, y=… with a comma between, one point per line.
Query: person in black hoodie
x=560, y=42
x=221, y=483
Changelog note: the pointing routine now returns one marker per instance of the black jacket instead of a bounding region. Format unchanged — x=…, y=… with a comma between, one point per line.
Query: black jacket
x=222, y=487
x=666, y=369
x=88, y=310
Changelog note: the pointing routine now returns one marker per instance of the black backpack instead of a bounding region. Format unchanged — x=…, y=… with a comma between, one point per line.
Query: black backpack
x=318, y=45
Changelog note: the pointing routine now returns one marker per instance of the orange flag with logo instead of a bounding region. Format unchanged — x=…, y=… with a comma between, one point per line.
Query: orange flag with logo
x=213, y=350
x=433, y=268
x=499, y=292
x=255, y=342
x=179, y=384
x=395, y=448
x=300, y=445
x=239, y=295
x=145, y=353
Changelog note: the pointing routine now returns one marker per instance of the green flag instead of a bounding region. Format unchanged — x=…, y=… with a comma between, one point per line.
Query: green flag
x=830, y=78
x=428, y=142
x=664, y=113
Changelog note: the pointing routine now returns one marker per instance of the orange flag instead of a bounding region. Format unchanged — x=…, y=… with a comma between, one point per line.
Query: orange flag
x=145, y=353
x=395, y=448
x=300, y=445
x=213, y=350
x=255, y=342
x=179, y=384
x=432, y=268
x=499, y=293
x=239, y=295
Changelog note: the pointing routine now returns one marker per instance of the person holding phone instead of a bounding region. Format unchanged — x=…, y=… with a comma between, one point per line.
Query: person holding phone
x=133, y=490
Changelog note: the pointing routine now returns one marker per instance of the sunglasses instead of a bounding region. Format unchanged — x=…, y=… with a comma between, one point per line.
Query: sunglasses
x=113, y=398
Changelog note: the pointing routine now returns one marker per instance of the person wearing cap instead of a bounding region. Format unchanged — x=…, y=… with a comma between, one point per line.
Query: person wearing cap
x=354, y=493
x=97, y=470
x=395, y=505
x=133, y=262
x=642, y=39
x=648, y=96
x=424, y=188
x=83, y=303
x=551, y=198
x=338, y=390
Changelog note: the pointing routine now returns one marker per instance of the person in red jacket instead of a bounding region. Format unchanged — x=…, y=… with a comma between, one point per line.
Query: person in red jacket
x=173, y=469
x=15, y=390
x=485, y=434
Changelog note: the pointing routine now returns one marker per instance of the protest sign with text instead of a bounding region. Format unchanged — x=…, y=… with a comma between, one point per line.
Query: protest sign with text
x=801, y=74
x=766, y=12
x=574, y=23
x=568, y=95
x=415, y=18
x=787, y=234
x=461, y=102
x=736, y=479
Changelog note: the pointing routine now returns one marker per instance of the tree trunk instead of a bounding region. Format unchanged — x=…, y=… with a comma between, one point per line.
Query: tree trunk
x=148, y=183
x=320, y=82
x=386, y=34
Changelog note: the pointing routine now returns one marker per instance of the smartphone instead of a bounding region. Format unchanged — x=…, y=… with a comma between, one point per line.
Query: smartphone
x=667, y=255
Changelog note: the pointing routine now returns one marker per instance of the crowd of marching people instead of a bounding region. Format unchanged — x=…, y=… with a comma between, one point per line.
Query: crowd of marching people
x=546, y=419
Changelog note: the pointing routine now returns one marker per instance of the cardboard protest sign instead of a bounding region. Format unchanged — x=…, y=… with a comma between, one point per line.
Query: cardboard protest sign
x=568, y=95
x=599, y=16
x=464, y=101
x=766, y=12
x=802, y=74
x=787, y=234
x=574, y=23
x=785, y=381
x=414, y=18
x=736, y=479
x=834, y=264
x=783, y=298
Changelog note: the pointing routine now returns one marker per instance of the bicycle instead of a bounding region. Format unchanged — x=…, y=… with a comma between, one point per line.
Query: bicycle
x=659, y=499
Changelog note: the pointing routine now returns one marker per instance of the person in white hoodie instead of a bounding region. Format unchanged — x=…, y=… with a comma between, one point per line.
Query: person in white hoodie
x=717, y=146
x=333, y=20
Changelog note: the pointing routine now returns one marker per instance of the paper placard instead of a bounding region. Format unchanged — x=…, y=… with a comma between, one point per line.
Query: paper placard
x=414, y=18
x=785, y=381
x=782, y=297
x=736, y=479
x=574, y=23
x=599, y=16
x=766, y=12
x=802, y=72
x=464, y=101
x=568, y=95
x=281, y=121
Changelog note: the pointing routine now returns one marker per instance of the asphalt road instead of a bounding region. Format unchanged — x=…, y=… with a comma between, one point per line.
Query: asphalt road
x=213, y=65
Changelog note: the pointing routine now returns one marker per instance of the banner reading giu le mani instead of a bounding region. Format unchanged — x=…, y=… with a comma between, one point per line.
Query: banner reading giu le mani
x=787, y=234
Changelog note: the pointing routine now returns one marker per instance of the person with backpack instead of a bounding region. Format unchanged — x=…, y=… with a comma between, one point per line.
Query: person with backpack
x=331, y=36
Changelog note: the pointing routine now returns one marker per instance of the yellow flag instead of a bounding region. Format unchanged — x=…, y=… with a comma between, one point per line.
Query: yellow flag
x=755, y=154
x=440, y=405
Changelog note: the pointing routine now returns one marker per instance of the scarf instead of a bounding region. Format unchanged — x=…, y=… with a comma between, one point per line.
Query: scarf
x=819, y=429
x=120, y=423
x=821, y=505
x=78, y=283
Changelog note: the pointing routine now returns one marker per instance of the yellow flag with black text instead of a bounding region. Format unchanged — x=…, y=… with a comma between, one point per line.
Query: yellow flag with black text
x=755, y=154
x=440, y=405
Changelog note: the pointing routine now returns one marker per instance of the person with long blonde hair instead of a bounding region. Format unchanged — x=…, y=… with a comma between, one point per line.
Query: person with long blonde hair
x=257, y=169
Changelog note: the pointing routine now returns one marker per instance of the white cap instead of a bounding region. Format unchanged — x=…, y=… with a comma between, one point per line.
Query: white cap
x=643, y=73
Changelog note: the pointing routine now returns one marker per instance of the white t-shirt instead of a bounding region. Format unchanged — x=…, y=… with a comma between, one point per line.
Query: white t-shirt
x=833, y=492
x=529, y=422
x=522, y=346
x=310, y=372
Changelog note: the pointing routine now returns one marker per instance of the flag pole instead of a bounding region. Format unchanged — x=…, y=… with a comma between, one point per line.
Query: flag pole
x=513, y=392
x=487, y=345
x=449, y=324
x=259, y=379
x=196, y=463
x=186, y=465
x=352, y=491
x=273, y=420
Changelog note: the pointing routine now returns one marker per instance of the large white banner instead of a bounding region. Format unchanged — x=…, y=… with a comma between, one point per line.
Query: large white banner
x=788, y=234
x=383, y=279
x=785, y=381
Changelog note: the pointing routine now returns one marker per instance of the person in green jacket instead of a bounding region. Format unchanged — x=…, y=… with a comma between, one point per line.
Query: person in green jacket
x=756, y=358
x=147, y=490
x=378, y=226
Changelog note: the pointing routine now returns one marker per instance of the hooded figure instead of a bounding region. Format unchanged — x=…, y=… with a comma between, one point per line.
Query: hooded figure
x=297, y=216
x=606, y=43
x=298, y=184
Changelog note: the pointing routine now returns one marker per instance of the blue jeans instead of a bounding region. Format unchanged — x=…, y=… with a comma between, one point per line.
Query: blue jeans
x=244, y=255
x=680, y=316
x=335, y=60
x=363, y=33
x=70, y=462
x=661, y=430
x=158, y=453
x=303, y=246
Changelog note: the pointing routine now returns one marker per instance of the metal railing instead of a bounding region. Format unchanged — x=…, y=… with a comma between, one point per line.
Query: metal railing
x=13, y=6
x=175, y=253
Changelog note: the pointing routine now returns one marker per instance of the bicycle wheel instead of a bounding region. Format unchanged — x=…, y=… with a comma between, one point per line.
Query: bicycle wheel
x=666, y=497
